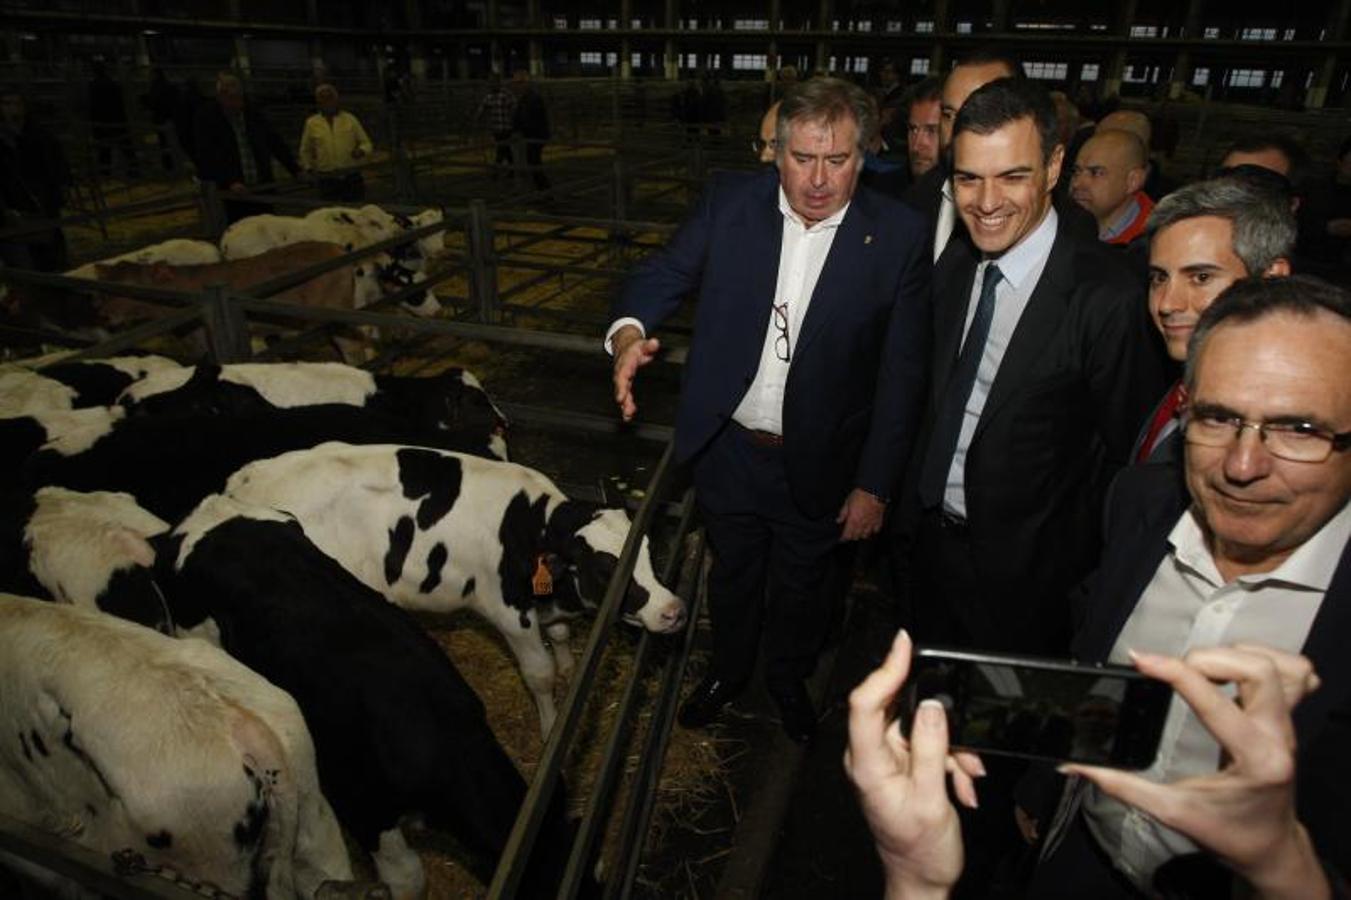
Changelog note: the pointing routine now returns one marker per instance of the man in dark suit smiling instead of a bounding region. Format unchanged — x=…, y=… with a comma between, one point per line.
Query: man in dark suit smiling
x=802, y=386
x=1044, y=366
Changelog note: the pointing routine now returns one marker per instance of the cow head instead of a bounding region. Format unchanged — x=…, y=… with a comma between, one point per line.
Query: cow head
x=396, y=277
x=581, y=550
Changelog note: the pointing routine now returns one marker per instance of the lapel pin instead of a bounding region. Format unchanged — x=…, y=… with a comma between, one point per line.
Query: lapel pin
x=867, y=239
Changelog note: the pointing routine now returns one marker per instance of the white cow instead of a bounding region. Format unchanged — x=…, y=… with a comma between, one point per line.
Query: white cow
x=435, y=530
x=118, y=737
x=388, y=224
x=175, y=252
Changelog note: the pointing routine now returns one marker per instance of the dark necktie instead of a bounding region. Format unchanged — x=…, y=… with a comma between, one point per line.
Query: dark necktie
x=933, y=475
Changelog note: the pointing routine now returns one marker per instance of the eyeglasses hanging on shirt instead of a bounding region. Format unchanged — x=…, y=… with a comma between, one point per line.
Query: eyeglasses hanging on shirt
x=782, y=348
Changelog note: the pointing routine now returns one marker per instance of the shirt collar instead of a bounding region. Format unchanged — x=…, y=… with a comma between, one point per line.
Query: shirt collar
x=1025, y=258
x=1123, y=221
x=831, y=221
x=1311, y=566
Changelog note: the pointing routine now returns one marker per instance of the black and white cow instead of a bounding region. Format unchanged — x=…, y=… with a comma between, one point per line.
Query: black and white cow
x=439, y=531
x=73, y=384
x=116, y=737
x=23, y=435
x=398, y=731
x=169, y=463
x=84, y=549
x=451, y=401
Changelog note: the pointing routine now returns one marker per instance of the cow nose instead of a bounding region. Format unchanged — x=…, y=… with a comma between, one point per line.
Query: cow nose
x=673, y=616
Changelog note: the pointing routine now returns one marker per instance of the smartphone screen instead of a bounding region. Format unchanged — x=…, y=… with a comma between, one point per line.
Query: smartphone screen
x=1043, y=709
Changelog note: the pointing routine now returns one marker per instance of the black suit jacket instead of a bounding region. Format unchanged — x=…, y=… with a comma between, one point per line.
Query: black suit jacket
x=217, y=152
x=1144, y=505
x=856, y=382
x=1081, y=371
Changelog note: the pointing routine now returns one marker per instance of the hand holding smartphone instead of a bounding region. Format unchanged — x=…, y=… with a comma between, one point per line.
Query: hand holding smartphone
x=1037, y=708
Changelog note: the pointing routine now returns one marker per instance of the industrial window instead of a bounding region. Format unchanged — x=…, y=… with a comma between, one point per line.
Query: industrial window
x=1046, y=71
x=1097, y=26
x=1246, y=77
x=1289, y=34
x=865, y=25
x=692, y=24
x=919, y=66
x=589, y=24
x=692, y=60
x=560, y=21
x=893, y=25
x=1212, y=32
x=713, y=60
x=636, y=60
x=636, y=23
x=963, y=27
x=1144, y=31
x=1089, y=72
x=590, y=59
x=748, y=61
x=1277, y=77
x=1041, y=26
x=1140, y=74
x=924, y=27
x=750, y=24
x=1200, y=76
x=612, y=59
x=1258, y=34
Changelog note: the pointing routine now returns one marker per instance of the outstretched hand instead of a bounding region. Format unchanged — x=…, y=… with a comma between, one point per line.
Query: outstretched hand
x=631, y=352
x=1245, y=812
x=902, y=784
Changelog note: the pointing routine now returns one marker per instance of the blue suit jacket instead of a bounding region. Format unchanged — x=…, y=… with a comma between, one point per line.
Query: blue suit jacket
x=857, y=378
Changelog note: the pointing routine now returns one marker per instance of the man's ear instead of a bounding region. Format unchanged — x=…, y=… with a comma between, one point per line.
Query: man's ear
x=1135, y=178
x=1279, y=268
x=1053, y=166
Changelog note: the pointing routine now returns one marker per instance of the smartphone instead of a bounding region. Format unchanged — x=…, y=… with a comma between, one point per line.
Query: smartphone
x=1103, y=715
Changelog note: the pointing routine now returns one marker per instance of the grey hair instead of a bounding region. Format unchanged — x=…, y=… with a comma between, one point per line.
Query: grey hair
x=1264, y=226
x=825, y=99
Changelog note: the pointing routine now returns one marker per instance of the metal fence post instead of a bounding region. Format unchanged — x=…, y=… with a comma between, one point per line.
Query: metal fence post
x=213, y=211
x=483, y=262
x=227, y=333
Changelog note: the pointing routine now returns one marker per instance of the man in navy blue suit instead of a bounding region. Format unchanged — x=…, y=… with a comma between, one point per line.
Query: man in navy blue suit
x=802, y=387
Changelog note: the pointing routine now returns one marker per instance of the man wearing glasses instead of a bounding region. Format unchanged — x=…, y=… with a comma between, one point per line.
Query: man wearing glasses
x=1249, y=547
x=802, y=385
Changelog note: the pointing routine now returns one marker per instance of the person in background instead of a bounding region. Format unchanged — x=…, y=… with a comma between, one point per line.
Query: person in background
x=531, y=121
x=33, y=181
x=235, y=148
x=1157, y=183
x=333, y=140
x=108, y=118
x=1107, y=181
x=766, y=146
x=1325, y=222
x=161, y=100
x=497, y=110
x=923, y=115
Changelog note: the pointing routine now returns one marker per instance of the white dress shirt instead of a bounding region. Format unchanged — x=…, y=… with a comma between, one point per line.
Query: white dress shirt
x=947, y=218
x=1187, y=605
x=802, y=255
x=1021, y=266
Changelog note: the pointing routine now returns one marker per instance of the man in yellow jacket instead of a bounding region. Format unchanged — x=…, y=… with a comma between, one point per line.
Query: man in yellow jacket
x=334, y=140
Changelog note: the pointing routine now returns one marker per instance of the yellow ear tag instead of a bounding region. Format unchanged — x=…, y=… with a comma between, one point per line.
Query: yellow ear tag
x=542, y=581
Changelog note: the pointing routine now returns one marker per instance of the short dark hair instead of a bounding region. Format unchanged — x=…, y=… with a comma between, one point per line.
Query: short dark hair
x=1283, y=144
x=989, y=56
x=927, y=91
x=1252, y=299
x=1004, y=100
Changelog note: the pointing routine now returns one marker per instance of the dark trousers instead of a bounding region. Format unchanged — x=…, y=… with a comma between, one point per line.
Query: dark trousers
x=349, y=188
x=534, y=161
x=761, y=540
x=504, y=157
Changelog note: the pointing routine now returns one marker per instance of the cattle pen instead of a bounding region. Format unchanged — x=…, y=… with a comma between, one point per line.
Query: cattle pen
x=524, y=290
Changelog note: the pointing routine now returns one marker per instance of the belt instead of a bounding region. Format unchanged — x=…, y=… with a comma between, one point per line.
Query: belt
x=759, y=438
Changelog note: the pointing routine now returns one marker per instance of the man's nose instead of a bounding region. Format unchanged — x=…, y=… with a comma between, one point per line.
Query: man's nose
x=1247, y=458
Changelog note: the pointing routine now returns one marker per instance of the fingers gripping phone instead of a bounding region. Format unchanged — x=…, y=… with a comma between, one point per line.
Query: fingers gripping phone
x=1056, y=710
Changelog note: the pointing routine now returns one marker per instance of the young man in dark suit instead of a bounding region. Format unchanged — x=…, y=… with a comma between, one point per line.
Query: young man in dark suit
x=802, y=385
x=1044, y=366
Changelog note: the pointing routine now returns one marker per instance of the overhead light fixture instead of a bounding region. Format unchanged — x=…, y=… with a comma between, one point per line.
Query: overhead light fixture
x=149, y=32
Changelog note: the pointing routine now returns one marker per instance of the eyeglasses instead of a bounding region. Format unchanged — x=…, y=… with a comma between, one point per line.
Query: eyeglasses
x=1293, y=441
x=781, y=348
x=760, y=145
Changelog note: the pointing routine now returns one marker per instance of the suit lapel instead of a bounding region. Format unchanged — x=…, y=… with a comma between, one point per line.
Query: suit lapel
x=956, y=275
x=1326, y=648
x=1035, y=326
x=848, y=252
x=761, y=236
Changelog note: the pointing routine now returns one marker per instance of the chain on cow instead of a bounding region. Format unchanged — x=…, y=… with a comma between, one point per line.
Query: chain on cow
x=129, y=862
